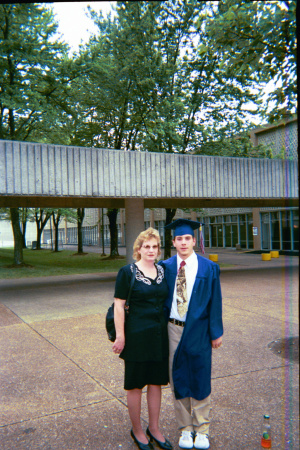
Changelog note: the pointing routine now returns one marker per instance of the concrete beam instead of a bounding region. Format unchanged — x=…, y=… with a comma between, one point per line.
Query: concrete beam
x=23, y=201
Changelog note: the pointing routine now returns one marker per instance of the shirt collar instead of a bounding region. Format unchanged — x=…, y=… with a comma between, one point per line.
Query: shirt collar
x=189, y=261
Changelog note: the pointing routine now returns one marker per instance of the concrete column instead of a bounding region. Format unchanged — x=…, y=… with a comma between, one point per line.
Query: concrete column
x=134, y=213
x=152, y=218
x=193, y=215
x=122, y=226
x=256, y=223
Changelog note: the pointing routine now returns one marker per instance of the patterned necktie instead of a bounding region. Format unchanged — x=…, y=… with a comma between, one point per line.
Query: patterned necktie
x=181, y=293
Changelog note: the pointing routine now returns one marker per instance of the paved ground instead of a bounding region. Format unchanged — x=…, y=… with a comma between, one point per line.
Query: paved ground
x=61, y=387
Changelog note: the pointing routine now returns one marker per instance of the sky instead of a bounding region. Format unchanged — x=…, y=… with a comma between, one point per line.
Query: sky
x=74, y=24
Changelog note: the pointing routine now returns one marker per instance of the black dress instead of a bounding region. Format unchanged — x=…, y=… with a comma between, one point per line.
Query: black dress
x=146, y=336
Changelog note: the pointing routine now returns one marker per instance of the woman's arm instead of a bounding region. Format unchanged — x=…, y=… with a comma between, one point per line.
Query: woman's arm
x=119, y=317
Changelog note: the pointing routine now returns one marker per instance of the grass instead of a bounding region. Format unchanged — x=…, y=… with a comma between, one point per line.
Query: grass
x=43, y=263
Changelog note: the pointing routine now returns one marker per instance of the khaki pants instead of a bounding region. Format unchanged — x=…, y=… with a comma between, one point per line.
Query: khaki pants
x=191, y=414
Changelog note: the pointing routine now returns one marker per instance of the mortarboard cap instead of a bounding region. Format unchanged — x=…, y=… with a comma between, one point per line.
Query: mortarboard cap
x=183, y=226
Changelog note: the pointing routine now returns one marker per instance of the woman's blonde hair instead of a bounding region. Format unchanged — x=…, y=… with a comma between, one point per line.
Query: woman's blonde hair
x=144, y=236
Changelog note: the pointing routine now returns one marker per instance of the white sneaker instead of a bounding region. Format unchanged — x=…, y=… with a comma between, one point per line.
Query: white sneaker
x=186, y=439
x=201, y=441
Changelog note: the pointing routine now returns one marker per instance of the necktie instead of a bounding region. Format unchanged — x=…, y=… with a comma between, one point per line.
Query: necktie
x=181, y=293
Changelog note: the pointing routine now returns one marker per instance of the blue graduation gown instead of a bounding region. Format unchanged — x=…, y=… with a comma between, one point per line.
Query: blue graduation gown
x=192, y=360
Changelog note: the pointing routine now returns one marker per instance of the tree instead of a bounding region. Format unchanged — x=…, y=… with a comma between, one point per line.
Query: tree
x=25, y=216
x=80, y=218
x=112, y=216
x=259, y=38
x=41, y=218
x=18, y=246
x=110, y=101
x=170, y=213
x=235, y=146
x=33, y=70
x=149, y=78
x=57, y=215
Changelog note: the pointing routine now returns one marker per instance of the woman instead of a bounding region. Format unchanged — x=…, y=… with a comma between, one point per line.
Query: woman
x=144, y=343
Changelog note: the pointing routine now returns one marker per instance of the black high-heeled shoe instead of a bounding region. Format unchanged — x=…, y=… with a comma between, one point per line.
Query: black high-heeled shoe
x=140, y=445
x=164, y=445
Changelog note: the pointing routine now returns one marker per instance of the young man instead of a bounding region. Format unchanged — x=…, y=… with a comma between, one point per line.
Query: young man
x=194, y=312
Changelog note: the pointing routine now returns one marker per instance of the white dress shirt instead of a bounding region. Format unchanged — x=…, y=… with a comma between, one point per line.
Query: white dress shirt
x=191, y=269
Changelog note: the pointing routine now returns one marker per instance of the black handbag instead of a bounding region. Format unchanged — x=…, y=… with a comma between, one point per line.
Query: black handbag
x=109, y=320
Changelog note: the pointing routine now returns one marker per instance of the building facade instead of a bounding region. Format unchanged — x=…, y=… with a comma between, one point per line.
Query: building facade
x=249, y=229
x=245, y=228
x=282, y=137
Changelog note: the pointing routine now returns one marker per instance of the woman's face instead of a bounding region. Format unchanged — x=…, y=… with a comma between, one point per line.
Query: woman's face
x=149, y=250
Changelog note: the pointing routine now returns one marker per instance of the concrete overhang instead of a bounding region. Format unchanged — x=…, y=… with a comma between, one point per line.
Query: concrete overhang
x=41, y=175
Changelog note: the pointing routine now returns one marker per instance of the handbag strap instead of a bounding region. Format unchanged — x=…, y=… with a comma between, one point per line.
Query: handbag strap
x=131, y=285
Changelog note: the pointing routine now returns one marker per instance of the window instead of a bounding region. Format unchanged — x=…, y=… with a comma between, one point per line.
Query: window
x=243, y=231
x=286, y=230
x=295, y=215
x=249, y=219
x=265, y=231
x=275, y=231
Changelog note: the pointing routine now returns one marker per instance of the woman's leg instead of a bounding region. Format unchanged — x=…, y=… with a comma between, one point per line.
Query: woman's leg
x=154, y=402
x=134, y=401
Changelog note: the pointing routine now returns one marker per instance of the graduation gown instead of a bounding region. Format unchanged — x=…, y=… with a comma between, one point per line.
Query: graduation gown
x=192, y=360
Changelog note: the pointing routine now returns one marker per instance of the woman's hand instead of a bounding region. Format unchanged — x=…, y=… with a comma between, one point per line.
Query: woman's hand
x=118, y=345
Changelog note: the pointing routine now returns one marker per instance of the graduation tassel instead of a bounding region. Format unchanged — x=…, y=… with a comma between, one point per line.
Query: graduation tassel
x=202, y=249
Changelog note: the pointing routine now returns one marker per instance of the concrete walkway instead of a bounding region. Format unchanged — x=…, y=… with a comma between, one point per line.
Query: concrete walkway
x=61, y=387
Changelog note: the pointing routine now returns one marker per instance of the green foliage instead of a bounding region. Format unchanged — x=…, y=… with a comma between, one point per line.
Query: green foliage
x=235, y=146
x=159, y=76
x=154, y=82
x=282, y=155
x=258, y=40
x=33, y=71
x=70, y=214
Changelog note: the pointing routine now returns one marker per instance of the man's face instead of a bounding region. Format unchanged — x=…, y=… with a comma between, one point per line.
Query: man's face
x=184, y=245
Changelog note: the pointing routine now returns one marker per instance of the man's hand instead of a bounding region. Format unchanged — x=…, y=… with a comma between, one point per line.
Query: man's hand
x=216, y=343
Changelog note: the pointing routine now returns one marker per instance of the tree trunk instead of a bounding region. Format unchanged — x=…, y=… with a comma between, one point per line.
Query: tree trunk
x=23, y=225
x=56, y=223
x=51, y=234
x=18, y=239
x=80, y=217
x=40, y=225
x=170, y=213
x=56, y=237
x=38, y=230
x=112, y=216
x=39, y=236
x=102, y=233
x=24, y=234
